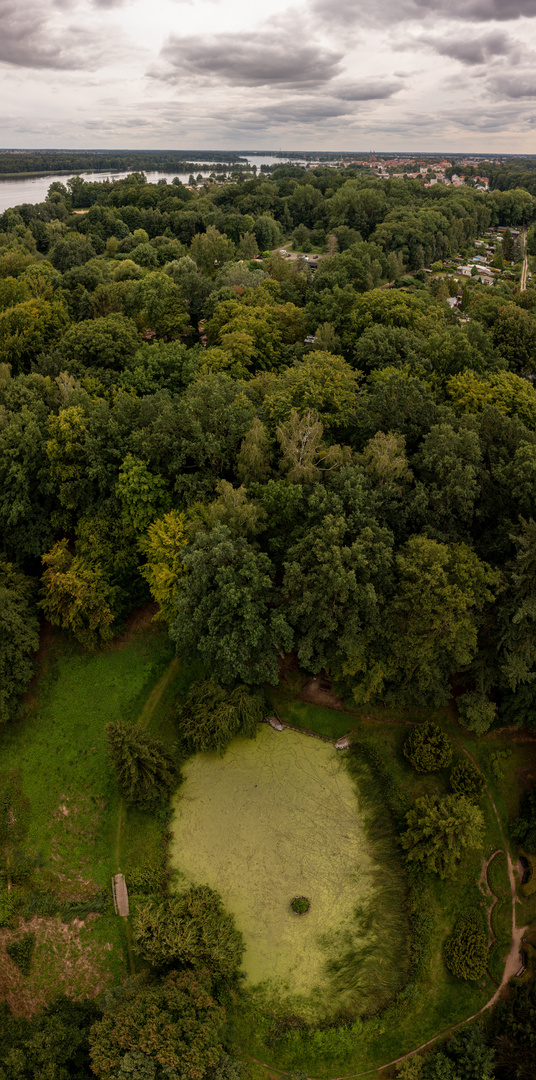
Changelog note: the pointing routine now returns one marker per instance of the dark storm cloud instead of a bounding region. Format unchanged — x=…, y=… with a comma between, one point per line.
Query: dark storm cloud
x=27, y=41
x=470, y=51
x=278, y=57
x=350, y=12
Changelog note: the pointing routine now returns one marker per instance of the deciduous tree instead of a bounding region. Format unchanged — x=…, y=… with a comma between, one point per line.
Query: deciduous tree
x=440, y=829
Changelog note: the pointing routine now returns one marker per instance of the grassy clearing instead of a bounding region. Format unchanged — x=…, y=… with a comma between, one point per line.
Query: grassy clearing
x=57, y=754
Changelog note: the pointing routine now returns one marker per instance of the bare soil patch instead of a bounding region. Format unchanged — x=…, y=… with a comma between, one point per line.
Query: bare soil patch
x=66, y=961
x=319, y=691
x=136, y=622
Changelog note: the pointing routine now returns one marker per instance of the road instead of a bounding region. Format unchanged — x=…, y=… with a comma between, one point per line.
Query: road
x=524, y=271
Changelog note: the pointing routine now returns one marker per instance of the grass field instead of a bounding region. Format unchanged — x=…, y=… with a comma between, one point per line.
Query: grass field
x=57, y=755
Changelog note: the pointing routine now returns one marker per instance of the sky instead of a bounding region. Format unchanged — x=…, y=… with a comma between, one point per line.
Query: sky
x=400, y=75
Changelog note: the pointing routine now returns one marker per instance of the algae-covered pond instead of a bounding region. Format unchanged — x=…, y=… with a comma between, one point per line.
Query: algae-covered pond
x=278, y=817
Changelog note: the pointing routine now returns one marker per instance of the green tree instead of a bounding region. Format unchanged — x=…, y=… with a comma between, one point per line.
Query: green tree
x=304, y=456
x=143, y=495
x=19, y=637
x=227, y=612
x=476, y=712
x=163, y=547
x=253, y=459
x=53, y=1045
x=322, y=384
x=145, y=771
x=473, y=1056
x=440, y=829
x=174, y=1022
x=333, y=584
x=433, y=619
x=71, y=250
x=100, y=343
x=466, y=949
x=188, y=928
x=210, y=250
x=517, y=614
x=76, y=596
x=428, y=748
x=28, y=329
x=466, y=779
x=213, y=715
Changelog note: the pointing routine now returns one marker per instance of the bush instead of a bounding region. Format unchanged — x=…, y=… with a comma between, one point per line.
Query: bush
x=440, y=829
x=523, y=828
x=213, y=715
x=7, y=908
x=21, y=952
x=147, y=880
x=476, y=712
x=428, y=748
x=144, y=770
x=465, y=779
x=466, y=950
x=188, y=928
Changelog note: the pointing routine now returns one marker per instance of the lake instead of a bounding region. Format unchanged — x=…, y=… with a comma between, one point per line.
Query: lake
x=33, y=189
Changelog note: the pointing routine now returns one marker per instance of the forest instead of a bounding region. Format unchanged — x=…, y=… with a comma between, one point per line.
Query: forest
x=253, y=405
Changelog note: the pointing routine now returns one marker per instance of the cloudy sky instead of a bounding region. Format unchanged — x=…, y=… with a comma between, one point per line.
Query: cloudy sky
x=331, y=74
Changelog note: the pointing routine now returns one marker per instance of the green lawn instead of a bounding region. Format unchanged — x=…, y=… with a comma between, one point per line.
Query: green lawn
x=56, y=753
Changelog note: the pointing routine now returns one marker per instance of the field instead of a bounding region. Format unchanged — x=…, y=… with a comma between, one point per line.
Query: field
x=55, y=756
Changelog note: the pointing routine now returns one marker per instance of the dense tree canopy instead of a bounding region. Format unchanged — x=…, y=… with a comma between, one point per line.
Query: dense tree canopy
x=286, y=452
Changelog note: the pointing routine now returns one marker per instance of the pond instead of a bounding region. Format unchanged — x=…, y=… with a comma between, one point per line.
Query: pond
x=277, y=818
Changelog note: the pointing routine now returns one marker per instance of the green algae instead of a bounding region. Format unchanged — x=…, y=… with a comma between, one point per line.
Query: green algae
x=279, y=817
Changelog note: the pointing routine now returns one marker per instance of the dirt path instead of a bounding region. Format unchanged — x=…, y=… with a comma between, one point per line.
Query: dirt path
x=143, y=720
x=511, y=966
x=484, y=880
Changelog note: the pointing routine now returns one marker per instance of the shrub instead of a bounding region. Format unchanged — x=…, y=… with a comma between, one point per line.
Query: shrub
x=188, y=928
x=144, y=770
x=466, y=950
x=300, y=905
x=476, y=712
x=146, y=879
x=465, y=779
x=440, y=829
x=21, y=952
x=7, y=908
x=428, y=748
x=212, y=715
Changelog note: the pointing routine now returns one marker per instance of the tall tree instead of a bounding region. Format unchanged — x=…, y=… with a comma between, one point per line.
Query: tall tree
x=440, y=829
x=19, y=637
x=227, y=611
x=173, y=1024
x=145, y=771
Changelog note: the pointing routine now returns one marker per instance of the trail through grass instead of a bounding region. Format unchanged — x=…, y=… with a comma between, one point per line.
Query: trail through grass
x=57, y=752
